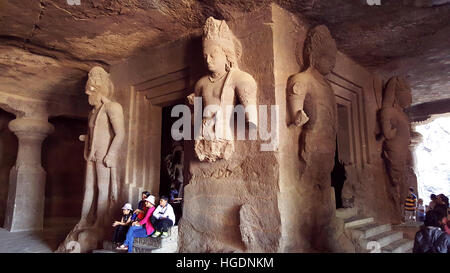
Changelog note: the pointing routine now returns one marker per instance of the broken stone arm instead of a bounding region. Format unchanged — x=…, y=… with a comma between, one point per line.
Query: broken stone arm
x=296, y=98
x=246, y=90
x=85, y=139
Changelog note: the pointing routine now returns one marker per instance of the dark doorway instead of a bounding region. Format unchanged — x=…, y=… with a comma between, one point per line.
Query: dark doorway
x=338, y=177
x=172, y=159
x=62, y=158
x=8, y=155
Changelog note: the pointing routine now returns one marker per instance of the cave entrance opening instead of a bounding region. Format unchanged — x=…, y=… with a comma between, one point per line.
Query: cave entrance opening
x=431, y=158
x=172, y=164
x=342, y=153
x=338, y=177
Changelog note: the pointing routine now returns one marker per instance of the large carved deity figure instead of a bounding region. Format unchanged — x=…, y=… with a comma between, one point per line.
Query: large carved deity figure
x=396, y=131
x=102, y=143
x=313, y=109
x=218, y=92
x=312, y=102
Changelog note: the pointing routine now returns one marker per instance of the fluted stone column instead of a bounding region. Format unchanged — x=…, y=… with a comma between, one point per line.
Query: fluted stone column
x=26, y=193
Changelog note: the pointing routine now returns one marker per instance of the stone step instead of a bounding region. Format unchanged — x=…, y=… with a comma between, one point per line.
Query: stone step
x=103, y=251
x=399, y=246
x=346, y=213
x=158, y=244
x=138, y=248
x=370, y=229
x=108, y=245
x=383, y=239
x=357, y=221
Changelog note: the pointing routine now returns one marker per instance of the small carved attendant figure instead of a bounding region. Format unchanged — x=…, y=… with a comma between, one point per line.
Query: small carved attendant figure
x=396, y=130
x=218, y=89
x=312, y=103
x=102, y=143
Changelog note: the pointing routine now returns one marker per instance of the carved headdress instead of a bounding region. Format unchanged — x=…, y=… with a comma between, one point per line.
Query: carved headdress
x=99, y=78
x=217, y=32
x=318, y=44
x=396, y=88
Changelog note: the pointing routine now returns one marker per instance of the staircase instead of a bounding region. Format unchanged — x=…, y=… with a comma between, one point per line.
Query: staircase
x=148, y=244
x=372, y=237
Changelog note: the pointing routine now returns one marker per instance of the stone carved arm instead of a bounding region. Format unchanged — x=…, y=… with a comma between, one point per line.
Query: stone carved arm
x=388, y=123
x=246, y=89
x=296, y=98
x=115, y=114
x=85, y=139
x=197, y=93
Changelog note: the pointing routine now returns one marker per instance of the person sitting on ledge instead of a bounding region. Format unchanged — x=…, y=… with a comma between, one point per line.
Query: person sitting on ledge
x=139, y=213
x=121, y=227
x=163, y=218
x=140, y=229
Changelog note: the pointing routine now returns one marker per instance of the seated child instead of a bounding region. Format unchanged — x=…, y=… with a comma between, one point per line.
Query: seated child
x=139, y=213
x=121, y=227
x=163, y=218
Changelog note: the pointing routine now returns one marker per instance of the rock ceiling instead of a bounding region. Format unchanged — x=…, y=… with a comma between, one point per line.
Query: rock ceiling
x=47, y=46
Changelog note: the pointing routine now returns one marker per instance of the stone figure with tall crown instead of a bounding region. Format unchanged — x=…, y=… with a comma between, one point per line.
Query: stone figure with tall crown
x=218, y=90
x=102, y=144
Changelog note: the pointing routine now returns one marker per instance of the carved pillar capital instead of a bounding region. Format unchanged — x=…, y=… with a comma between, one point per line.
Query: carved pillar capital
x=30, y=127
x=31, y=133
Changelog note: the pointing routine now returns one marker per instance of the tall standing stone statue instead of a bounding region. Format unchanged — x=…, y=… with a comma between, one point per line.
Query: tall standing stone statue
x=312, y=108
x=396, y=131
x=218, y=92
x=102, y=143
x=312, y=104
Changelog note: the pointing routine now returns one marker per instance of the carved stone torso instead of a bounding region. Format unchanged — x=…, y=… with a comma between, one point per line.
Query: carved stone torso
x=399, y=120
x=320, y=107
x=100, y=133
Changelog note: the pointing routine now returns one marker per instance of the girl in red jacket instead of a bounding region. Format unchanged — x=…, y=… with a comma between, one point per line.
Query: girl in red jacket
x=143, y=228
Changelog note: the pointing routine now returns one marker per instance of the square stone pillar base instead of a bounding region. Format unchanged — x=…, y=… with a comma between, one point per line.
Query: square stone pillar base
x=26, y=199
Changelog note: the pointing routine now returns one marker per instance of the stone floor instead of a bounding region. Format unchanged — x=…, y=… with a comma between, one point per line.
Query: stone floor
x=46, y=241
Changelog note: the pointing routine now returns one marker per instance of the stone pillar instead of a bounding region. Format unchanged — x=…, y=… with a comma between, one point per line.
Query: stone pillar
x=26, y=194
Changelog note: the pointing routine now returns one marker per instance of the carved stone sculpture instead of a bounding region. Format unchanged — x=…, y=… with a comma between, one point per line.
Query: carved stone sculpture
x=312, y=101
x=313, y=109
x=396, y=130
x=102, y=143
x=218, y=91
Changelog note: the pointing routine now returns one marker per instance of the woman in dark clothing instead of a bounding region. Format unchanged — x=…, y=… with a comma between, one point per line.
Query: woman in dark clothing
x=121, y=227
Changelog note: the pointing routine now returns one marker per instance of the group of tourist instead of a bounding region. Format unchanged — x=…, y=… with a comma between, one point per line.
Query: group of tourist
x=415, y=210
x=434, y=235
x=146, y=220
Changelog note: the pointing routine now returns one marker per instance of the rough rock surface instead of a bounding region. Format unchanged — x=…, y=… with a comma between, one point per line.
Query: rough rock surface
x=50, y=37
